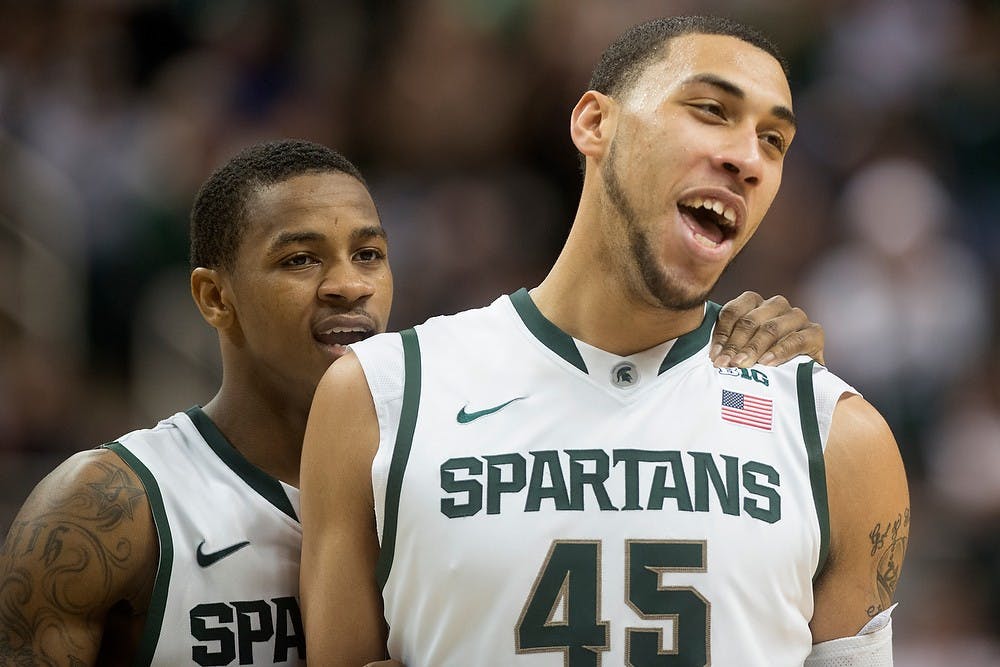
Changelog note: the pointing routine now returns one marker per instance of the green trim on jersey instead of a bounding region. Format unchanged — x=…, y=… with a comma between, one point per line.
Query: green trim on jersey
x=814, y=450
x=400, y=452
x=547, y=333
x=161, y=585
x=563, y=344
x=268, y=487
x=693, y=341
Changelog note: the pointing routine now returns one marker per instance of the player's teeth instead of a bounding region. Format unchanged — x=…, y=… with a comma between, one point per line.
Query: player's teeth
x=727, y=212
x=707, y=242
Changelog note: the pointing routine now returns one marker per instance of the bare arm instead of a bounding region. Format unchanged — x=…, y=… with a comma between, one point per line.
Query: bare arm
x=754, y=330
x=341, y=603
x=83, y=543
x=869, y=522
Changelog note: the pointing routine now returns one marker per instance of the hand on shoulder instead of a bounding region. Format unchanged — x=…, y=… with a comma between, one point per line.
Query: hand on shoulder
x=752, y=330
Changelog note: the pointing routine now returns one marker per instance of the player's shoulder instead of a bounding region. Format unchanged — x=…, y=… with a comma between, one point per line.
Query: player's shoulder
x=499, y=309
x=87, y=478
x=177, y=425
x=798, y=362
x=106, y=468
x=806, y=370
x=91, y=518
x=485, y=320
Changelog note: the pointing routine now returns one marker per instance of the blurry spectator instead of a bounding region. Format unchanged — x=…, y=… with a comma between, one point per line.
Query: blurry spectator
x=964, y=454
x=905, y=307
x=464, y=238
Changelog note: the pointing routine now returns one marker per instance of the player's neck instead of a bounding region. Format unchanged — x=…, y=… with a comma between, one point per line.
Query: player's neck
x=268, y=434
x=596, y=312
x=582, y=296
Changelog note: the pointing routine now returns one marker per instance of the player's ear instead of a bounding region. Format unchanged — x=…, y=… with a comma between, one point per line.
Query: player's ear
x=211, y=297
x=592, y=124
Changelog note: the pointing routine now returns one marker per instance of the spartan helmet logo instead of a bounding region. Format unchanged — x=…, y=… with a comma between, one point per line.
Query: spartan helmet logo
x=624, y=375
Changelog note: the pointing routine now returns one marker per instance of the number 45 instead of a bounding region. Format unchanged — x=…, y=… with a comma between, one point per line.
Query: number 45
x=570, y=578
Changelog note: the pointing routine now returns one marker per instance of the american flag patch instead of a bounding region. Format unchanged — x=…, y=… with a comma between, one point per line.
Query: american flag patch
x=747, y=410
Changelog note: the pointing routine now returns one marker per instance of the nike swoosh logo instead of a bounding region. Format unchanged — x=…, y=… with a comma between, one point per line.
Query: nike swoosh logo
x=206, y=559
x=464, y=417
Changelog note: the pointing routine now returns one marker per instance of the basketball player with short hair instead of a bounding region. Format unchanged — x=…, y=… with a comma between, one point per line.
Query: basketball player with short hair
x=563, y=477
x=180, y=544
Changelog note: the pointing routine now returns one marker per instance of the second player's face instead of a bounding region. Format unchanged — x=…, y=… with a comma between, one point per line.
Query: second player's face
x=312, y=276
x=696, y=161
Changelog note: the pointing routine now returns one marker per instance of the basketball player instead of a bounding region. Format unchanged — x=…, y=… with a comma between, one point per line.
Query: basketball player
x=563, y=477
x=180, y=544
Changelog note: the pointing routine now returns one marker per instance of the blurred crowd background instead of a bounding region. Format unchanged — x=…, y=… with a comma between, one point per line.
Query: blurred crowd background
x=887, y=228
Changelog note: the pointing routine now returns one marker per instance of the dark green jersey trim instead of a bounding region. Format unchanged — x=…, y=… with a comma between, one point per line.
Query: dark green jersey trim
x=814, y=451
x=547, y=333
x=692, y=341
x=158, y=600
x=400, y=452
x=268, y=487
x=562, y=343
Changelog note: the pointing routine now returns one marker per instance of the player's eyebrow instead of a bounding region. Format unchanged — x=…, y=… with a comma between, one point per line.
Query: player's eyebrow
x=289, y=238
x=779, y=111
x=369, y=232
x=292, y=237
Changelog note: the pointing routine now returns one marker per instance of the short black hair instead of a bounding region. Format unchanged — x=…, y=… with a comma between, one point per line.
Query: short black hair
x=624, y=61
x=218, y=217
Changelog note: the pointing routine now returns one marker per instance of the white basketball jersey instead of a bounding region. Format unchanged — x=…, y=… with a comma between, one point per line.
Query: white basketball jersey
x=541, y=502
x=226, y=589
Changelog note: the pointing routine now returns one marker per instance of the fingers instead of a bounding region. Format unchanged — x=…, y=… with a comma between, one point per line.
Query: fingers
x=781, y=339
x=729, y=319
x=753, y=332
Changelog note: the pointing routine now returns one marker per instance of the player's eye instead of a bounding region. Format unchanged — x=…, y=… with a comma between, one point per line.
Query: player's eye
x=775, y=140
x=298, y=259
x=710, y=108
x=369, y=255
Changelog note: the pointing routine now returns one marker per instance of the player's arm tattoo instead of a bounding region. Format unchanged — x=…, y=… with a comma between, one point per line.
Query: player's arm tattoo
x=888, y=547
x=64, y=559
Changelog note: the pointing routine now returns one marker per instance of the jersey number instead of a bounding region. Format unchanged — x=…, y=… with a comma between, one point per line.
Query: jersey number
x=563, y=610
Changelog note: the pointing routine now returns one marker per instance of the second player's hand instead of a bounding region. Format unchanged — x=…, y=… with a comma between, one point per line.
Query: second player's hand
x=754, y=330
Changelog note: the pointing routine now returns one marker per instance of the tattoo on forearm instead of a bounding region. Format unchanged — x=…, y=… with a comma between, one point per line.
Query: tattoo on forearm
x=888, y=542
x=53, y=560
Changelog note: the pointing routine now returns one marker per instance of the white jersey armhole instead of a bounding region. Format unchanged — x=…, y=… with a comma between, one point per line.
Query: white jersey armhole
x=381, y=359
x=828, y=390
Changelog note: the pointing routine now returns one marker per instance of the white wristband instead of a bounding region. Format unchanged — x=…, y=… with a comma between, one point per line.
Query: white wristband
x=871, y=647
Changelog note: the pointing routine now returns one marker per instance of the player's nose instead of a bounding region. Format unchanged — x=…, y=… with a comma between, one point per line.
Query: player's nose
x=343, y=281
x=741, y=156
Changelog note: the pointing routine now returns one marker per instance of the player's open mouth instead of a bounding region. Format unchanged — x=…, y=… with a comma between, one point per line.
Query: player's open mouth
x=711, y=220
x=343, y=335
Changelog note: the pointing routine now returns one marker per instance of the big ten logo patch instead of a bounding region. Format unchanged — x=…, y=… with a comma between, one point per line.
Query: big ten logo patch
x=746, y=374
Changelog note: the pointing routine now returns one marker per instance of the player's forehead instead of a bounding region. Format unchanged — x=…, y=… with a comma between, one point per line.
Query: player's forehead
x=695, y=57
x=333, y=203
x=312, y=191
